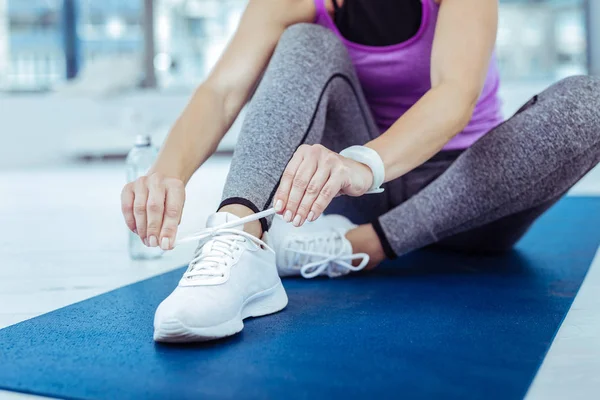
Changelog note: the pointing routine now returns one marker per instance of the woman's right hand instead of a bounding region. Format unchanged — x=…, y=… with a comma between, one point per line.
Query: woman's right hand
x=152, y=207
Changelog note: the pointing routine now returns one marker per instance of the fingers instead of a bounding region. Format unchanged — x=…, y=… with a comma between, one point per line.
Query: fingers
x=175, y=197
x=313, y=189
x=285, y=185
x=312, y=170
x=139, y=207
x=152, y=207
x=127, y=197
x=155, y=209
x=299, y=184
x=327, y=193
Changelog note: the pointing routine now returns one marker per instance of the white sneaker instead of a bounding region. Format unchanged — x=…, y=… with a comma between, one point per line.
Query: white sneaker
x=232, y=276
x=316, y=248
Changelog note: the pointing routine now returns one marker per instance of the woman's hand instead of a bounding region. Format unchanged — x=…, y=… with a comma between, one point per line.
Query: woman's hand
x=313, y=177
x=152, y=207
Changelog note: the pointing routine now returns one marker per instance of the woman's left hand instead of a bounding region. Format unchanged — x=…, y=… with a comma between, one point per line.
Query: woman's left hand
x=313, y=177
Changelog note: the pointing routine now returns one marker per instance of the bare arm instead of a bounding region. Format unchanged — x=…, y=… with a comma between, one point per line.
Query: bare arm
x=464, y=41
x=153, y=204
x=217, y=102
x=462, y=48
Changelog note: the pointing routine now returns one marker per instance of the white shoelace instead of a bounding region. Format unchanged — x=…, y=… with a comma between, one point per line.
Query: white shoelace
x=224, y=241
x=213, y=256
x=327, y=248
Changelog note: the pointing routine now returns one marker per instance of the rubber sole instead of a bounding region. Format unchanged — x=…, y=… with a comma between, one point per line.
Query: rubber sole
x=263, y=303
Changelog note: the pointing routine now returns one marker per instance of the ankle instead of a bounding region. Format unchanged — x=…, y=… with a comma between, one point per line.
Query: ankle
x=254, y=228
x=364, y=239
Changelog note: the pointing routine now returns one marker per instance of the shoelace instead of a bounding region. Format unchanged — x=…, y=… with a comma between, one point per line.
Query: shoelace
x=223, y=242
x=328, y=248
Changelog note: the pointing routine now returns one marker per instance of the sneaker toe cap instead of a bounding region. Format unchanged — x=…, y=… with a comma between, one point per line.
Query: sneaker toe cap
x=197, y=307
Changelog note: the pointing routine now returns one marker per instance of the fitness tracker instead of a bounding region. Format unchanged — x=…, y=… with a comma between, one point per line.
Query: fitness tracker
x=371, y=159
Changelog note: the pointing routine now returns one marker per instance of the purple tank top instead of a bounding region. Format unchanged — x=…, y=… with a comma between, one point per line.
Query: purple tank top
x=394, y=78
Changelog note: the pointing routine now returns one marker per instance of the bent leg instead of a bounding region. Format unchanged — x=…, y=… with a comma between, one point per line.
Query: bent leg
x=498, y=236
x=309, y=94
x=509, y=177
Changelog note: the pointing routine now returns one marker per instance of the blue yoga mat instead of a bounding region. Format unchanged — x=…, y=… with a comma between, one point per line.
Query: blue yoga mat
x=430, y=325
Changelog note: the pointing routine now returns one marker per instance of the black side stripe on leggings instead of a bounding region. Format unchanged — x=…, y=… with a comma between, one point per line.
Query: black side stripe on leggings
x=245, y=202
x=385, y=243
x=312, y=121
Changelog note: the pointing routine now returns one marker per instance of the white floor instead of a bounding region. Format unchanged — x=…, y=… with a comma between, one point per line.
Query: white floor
x=63, y=241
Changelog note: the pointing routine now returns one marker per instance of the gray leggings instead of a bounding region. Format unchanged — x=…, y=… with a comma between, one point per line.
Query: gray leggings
x=482, y=199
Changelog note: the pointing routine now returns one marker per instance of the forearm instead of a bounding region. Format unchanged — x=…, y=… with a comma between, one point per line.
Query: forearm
x=195, y=135
x=424, y=129
x=216, y=104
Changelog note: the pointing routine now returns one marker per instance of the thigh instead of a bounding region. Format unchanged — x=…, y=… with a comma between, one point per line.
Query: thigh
x=498, y=236
x=365, y=209
x=402, y=189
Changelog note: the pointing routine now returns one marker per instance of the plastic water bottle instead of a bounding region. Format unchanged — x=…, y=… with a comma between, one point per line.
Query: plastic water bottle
x=139, y=160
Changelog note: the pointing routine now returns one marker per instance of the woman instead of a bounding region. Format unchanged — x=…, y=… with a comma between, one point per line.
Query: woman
x=407, y=91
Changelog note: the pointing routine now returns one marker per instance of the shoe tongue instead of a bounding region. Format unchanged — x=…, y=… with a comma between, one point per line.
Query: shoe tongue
x=221, y=218
x=206, y=245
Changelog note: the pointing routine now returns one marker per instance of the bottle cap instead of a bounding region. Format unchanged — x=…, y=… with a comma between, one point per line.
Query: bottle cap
x=143, y=141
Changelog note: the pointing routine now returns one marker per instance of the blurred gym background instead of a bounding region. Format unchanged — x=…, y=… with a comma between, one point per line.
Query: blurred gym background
x=80, y=78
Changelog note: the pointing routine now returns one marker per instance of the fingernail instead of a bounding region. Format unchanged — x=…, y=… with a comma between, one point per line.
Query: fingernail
x=288, y=216
x=297, y=220
x=145, y=240
x=164, y=244
x=311, y=216
x=135, y=231
x=279, y=205
x=153, y=241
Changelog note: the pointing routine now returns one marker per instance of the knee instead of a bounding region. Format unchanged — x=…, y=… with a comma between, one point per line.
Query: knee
x=577, y=93
x=575, y=102
x=578, y=83
x=310, y=40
